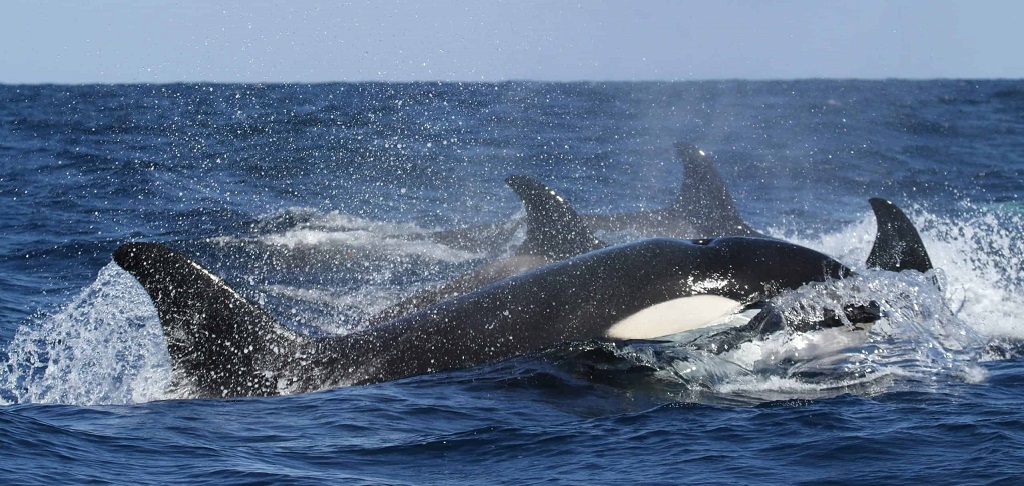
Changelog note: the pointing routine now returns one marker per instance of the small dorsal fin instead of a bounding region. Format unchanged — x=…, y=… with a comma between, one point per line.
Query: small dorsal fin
x=898, y=245
x=553, y=228
x=703, y=196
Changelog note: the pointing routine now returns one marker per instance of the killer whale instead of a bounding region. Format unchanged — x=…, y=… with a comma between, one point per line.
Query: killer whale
x=554, y=231
x=703, y=208
x=898, y=245
x=221, y=344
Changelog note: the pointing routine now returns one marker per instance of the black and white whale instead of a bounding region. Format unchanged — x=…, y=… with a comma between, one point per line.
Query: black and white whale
x=703, y=208
x=222, y=344
x=897, y=247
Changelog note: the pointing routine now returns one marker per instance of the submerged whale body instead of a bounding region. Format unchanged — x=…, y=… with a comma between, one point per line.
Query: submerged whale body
x=222, y=344
x=703, y=208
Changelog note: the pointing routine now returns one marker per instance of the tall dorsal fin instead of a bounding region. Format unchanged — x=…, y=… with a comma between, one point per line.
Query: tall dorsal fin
x=703, y=197
x=220, y=342
x=553, y=228
x=898, y=245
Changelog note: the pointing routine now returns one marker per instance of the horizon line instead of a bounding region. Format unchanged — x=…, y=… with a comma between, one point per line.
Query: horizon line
x=510, y=81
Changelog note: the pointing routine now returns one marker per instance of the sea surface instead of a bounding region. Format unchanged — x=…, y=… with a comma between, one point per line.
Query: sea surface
x=317, y=201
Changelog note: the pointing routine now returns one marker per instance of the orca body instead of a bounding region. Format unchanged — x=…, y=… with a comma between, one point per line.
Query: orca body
x=555, y=231
x=222, y=345
x=704, y=208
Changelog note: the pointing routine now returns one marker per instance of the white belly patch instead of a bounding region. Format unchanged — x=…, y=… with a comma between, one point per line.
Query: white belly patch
x=674, y=316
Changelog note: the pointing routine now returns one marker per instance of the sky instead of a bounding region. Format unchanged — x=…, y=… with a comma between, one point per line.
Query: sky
x=160, y=41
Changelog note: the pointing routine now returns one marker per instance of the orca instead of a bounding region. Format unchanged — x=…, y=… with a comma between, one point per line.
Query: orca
x=222, y=344
x=898, y=245
x=703, y=208
x=554, y=231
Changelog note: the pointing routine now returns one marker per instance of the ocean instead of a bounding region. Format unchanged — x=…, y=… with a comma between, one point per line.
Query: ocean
x=317, y=202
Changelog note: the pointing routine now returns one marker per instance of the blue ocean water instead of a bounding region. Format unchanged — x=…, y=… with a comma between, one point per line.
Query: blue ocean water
x=314, y=200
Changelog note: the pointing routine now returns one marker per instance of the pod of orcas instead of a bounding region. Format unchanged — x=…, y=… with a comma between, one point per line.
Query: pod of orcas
x=562, y=284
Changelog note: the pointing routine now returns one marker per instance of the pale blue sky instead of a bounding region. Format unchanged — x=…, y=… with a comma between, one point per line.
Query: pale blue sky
x=110, y=41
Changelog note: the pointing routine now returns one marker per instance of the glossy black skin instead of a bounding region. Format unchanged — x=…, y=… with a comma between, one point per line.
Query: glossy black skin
x=223, y=345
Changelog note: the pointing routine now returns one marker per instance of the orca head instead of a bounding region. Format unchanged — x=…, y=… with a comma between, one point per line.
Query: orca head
x=722, y=277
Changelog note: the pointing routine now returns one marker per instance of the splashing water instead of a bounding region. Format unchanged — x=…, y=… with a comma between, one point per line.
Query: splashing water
x=983, y=258
x=937, y=326
x=918, y=341
x=104, y=347
x=980, y=257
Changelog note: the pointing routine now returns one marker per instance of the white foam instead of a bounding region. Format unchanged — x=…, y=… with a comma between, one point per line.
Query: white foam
x=336, y=230
x=315, y=238
x=104, y=347
x=980, y=255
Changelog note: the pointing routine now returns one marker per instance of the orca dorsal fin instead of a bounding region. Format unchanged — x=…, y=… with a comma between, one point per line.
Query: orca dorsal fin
x=703, y=197
x=553, y=228
x=220, y=343
x=898, y=245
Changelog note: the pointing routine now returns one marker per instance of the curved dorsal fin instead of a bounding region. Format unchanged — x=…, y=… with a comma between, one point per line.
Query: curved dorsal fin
x=220, y=343
x=553, y=228
x=703, y=196
x=898, y=245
